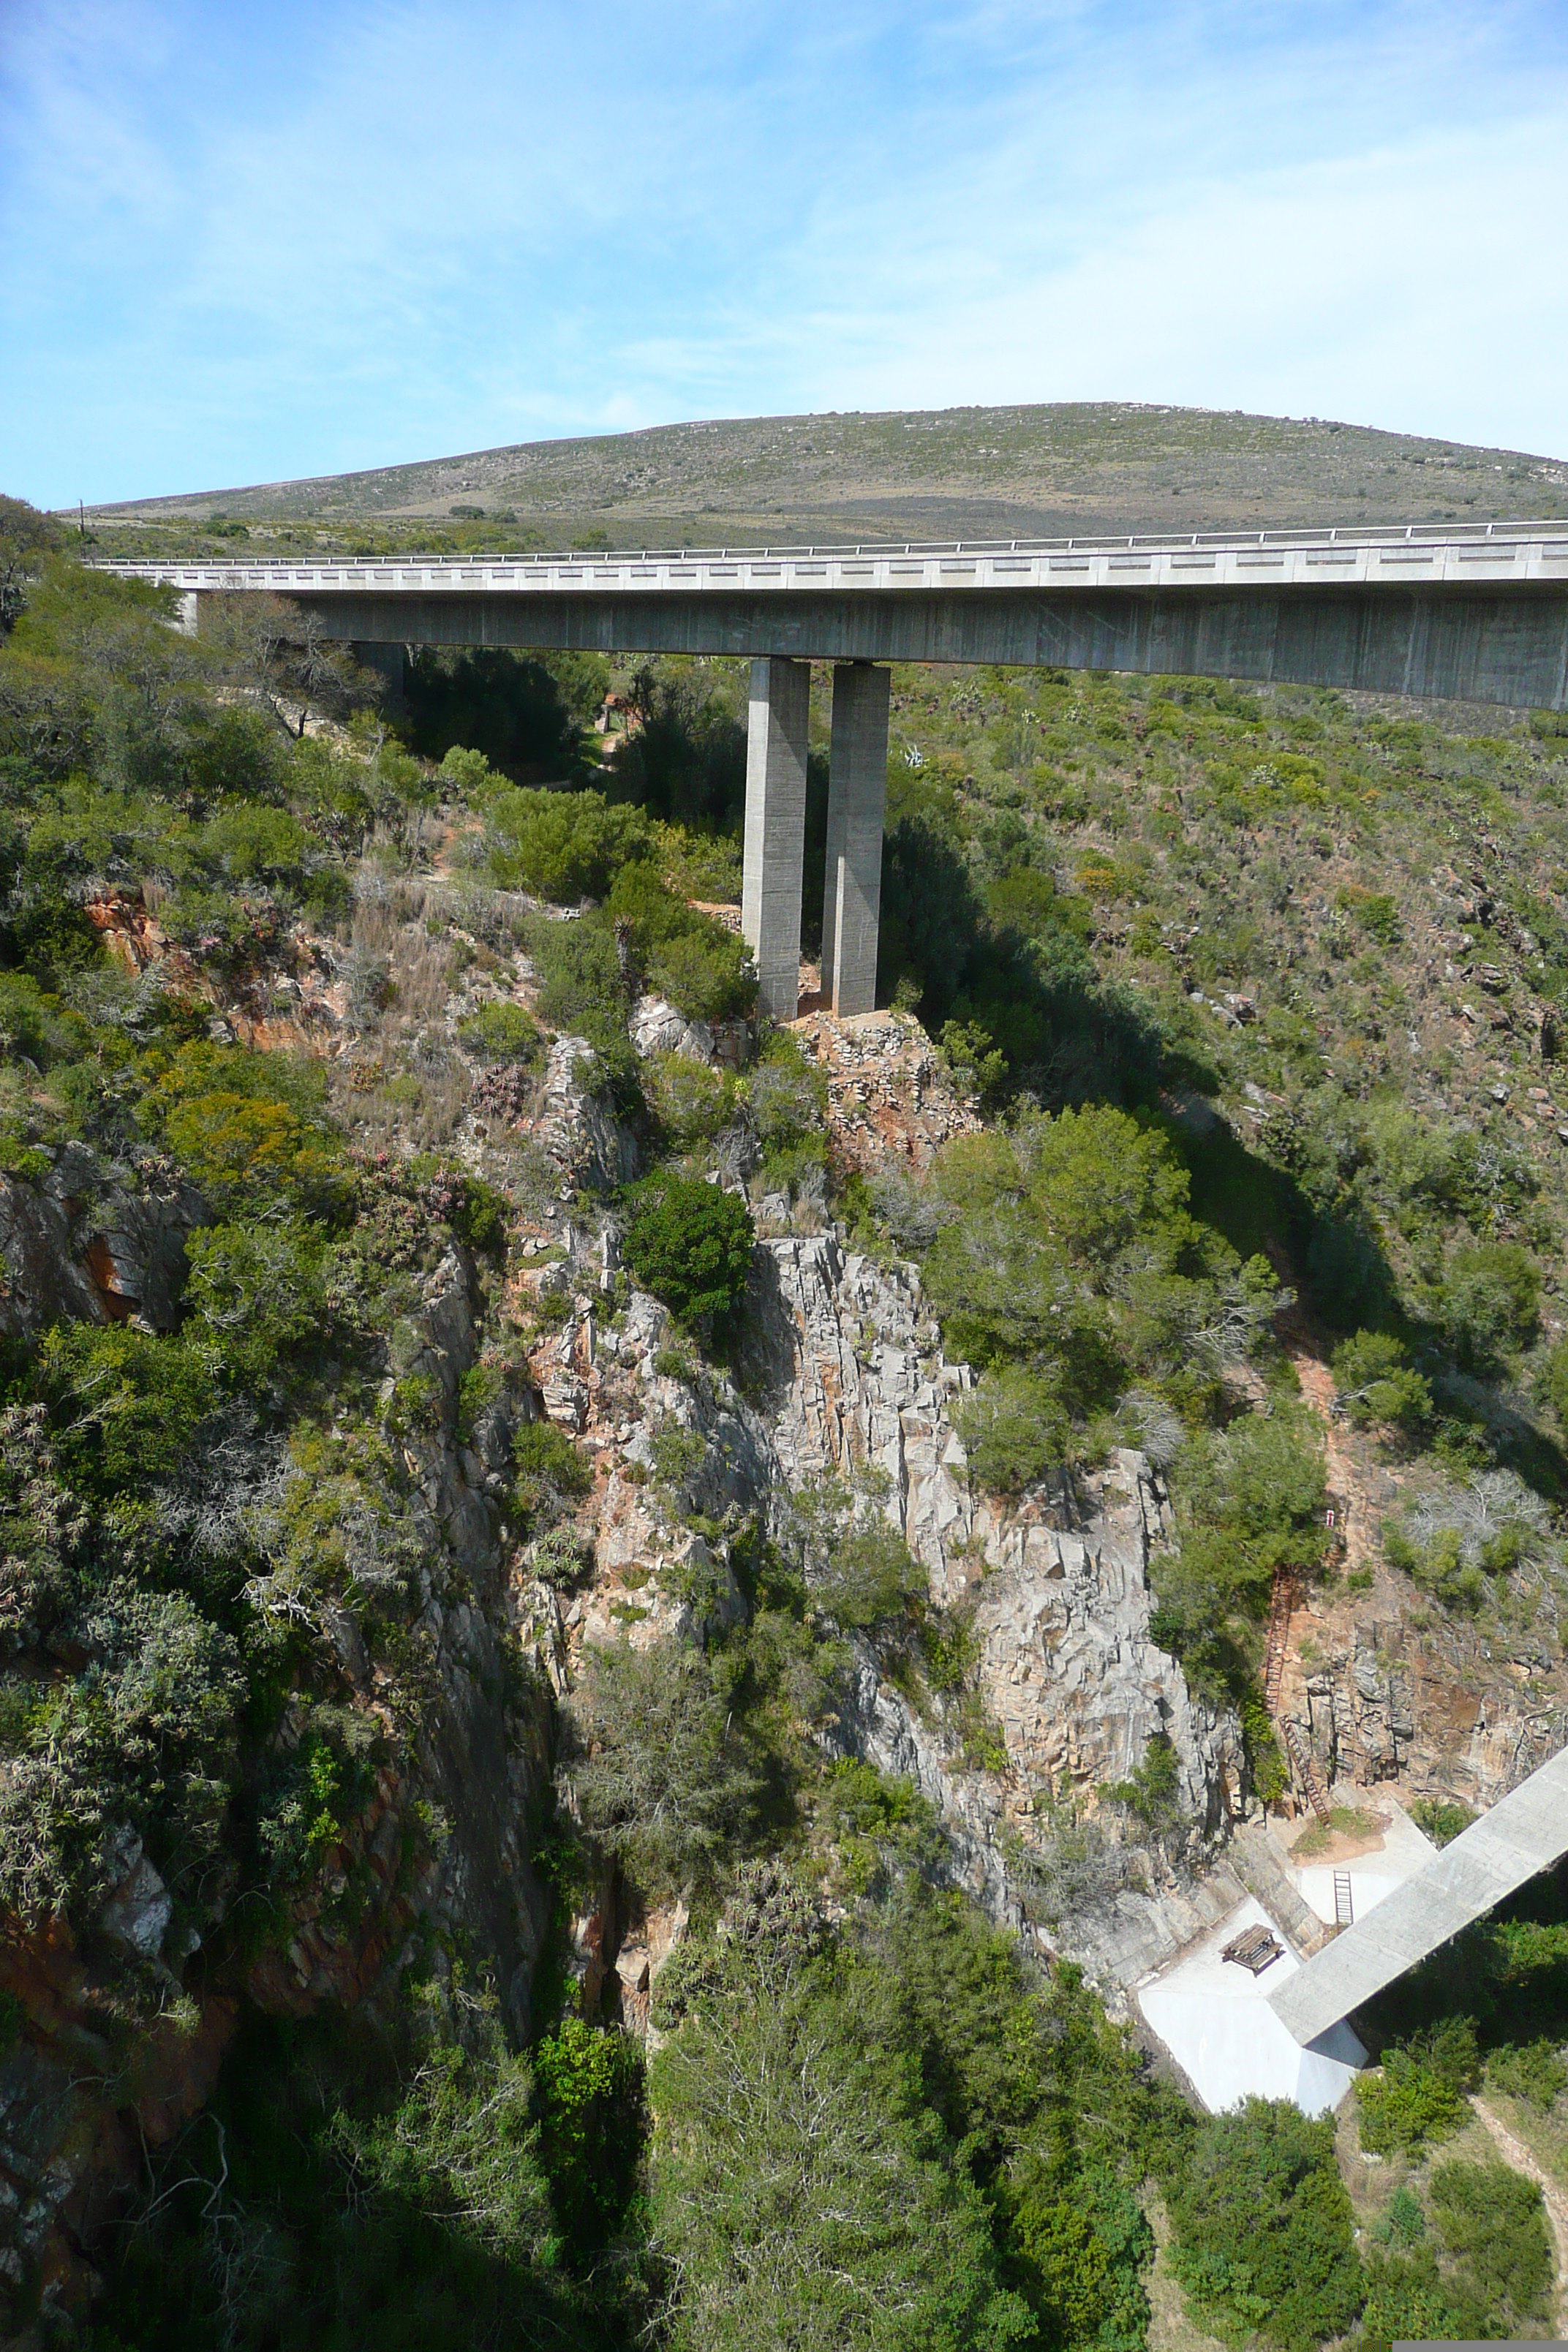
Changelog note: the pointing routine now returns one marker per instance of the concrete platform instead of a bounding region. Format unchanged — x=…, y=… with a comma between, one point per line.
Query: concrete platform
x=1373, y=1873
x=1217, y=2021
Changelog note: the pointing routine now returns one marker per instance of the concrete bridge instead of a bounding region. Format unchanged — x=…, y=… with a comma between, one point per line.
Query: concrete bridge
x=1475, y=612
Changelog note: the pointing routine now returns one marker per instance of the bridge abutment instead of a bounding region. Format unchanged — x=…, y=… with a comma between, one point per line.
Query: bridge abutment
x=857, y=792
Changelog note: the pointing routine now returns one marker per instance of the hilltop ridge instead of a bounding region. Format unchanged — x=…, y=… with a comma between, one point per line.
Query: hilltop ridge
x=1018, y=470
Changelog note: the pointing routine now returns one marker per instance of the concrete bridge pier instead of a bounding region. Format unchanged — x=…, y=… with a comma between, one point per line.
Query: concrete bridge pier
x=857, y=789
x=775, y=830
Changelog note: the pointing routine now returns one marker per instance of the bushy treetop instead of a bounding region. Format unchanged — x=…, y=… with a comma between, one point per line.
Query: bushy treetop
x=690, y=1243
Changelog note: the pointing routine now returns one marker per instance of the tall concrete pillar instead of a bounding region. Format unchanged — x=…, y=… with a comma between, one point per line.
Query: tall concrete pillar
x=857, y=789
x=775, y=830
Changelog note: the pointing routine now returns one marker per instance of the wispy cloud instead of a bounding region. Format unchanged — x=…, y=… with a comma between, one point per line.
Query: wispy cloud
x=239, y=244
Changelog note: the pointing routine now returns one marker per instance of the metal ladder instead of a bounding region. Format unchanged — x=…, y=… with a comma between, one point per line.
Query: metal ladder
x=1282, y=1600
x=1301, y=1757
x=1344, y=1907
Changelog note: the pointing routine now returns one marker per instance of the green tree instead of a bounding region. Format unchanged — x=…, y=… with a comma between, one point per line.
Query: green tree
x=690, y=1243
x=562, y=845
x=1492, y=2225
x=1374, y=1382
x=657, y=1773
x=799, y=2196
x=590, y=2095
x=1265, y=2232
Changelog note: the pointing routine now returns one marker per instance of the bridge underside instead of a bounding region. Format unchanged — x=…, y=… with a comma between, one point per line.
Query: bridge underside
x=1510, y=647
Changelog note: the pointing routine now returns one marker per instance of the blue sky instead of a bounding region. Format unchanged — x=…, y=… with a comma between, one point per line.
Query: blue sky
x=242, y=240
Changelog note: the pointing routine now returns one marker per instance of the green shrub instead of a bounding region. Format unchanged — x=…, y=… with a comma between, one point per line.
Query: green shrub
x=691, y=1102
x=690, y=1243
x=550, y=1473
x=1420, y=2094
x=589, y=2089
x=478, y=1389
x=476, y=1212
x=869, y=1573
x=1374, y=1382
x=468, y=776
x=129, y=1402
x=1534, y=2072
x=678, y=1452
x=1153, y=1794
x=1404, y=2223
x=1016, y=1430
x=1265, y=1758
x=1489, y=1302
x=704, y=971
x=1250, y=1501
x=786, y=1098
x=682, y=953
x=257, y=1292
x=314, y=1792
x=1264, y=2229
x=584, y=986
x=562, y=845
x=1492, y=2224
x=1406, y=2302
x=1442, y=1819
x=248, y=1125
x=660, y=1780
x=498, y=1031
x=561, y=1558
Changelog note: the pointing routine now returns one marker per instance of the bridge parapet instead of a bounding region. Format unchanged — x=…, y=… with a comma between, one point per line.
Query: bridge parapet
x=1418, y=555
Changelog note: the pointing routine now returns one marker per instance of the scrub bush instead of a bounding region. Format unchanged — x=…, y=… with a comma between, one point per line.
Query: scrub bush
x=690, y=1243
x=1265, y=2232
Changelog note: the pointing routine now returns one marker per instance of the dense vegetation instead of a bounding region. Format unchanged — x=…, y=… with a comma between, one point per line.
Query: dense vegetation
x=233, y=1562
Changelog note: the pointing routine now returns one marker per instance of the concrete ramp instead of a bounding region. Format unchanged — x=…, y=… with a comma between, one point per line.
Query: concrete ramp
x=1524, y=1833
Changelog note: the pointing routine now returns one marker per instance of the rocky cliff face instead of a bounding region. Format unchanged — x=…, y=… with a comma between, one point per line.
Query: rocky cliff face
x=86, y=1241
x=1382, y=1686
x=845, y=1372
x=110, y=2038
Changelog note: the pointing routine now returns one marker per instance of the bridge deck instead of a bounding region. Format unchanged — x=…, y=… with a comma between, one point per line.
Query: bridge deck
x=1473, y=611
x=1524, y=1833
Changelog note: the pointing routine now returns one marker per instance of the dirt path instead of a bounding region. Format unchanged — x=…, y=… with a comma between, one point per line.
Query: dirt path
x=1514, y=2152
x=1345, y=1477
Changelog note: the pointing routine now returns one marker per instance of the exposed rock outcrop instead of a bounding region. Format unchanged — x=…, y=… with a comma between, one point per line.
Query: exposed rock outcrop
x=86, y=1242
x=889, y=1095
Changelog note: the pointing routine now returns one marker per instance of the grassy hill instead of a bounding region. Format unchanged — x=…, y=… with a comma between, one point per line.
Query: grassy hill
x=972, y=472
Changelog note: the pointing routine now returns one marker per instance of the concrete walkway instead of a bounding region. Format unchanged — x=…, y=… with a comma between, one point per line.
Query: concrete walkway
x=1215, y=2018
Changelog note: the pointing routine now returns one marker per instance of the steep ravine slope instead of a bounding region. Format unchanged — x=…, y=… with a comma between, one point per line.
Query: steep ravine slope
x=843, y=1371
x=126, y=2026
